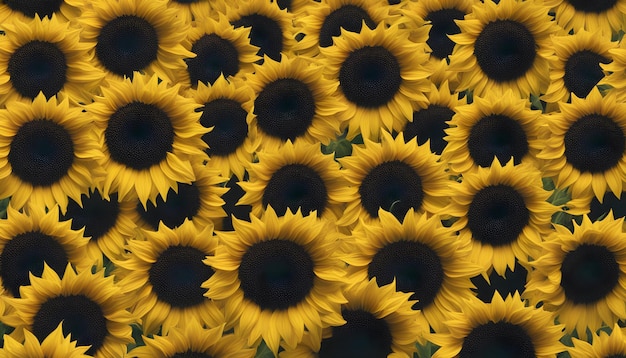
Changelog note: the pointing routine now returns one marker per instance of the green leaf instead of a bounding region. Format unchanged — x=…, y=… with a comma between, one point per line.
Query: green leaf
x=263, y=351
x=536, y=103
x=548, y=184
x=4, y=203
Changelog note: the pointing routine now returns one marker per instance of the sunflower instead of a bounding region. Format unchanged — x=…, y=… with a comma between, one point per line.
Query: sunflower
x=48, y=152
x=227, y=109
x=585, y=150
x=135, y=35
x=503, y=328
x=55, y=345
x=392, y=175
x=200, y=202
x=276, y=276
x=148, y=133
x=193, y=340
x=500, y=126
x=606, y=16
x=379, y=322
x=512, y=280
x=90, y=306
x=294, y=101
x=504, y=45
x=599, y=208
x=45, y=55
x=22, y=11
x=503, y=209
x=418, y=254
x=581, y=275
x=294, y=6
x=164, y=272
x=298, y=176
x=191, y=10
x=603, y=345
x=616, y=78
x=575, y=67
x=380, y=76
x=219, y=49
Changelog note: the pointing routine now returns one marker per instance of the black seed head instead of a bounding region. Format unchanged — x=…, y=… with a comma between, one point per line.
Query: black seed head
x=175, y=209
x=348, y=17
x=37, y=66
x=594, y=143
x=609, y=202
x=583, y=72
x=190, y=354
x=214, y=56
x=264, y=33
x=496, y=340
x=505, y=285
x=296, y=186
x=230, y=128
x=231, y=197
x=29, y=8
x=429, y=123
x=443, y=24
x=97, y=215
x=596, y=6
x=497, y=136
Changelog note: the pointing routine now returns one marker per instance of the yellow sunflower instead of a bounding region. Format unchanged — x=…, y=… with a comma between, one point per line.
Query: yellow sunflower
x=616, y=77
x=90, y=306
x=22, y=11
x=164, y=273
x=418, y=254
x=298, y=176
x=503, y=328
x=191, y=10
x=606, y=16
x=381, y=77
x=148, y=133
x=48, y=152
x=603, y=345
x=504, y=45
x=194, y=340
x=227, y=107
x=45, y=55
x=277, y=277
x=490, y=282
x=581, y=276
x=575, y=67
x=392, y=175
x=294, y=101
x=500, y=126
x=503, y=209
x=586, y=148
x=135, y=35
x=55, y=345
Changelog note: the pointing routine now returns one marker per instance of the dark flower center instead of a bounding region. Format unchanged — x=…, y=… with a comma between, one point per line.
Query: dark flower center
x=443, y=24
x=139, y=135
x=497, y=136
x=347, y=17
x=370, y=76
x=393, y=186
x=594, y=143
x=26, y=253
x=284, y=4
x=276, y=274
x=589, y=273
x=296, y=186
x=186, y=1
x=609, y=202
x=363, y=336
x=265, y=33
x=285, y=108
x=230, y=127
x=497, y=340
x=127, y=43
x=81, y=317
x=429, y=124
x=29, y=8
x=214, y=56
x=597, y=6
x=177, y=276
x=176, y=207
x=41, y=152
x=505, y=285
x=415, y=267
x=231, y=197
x=497, y=215
x=191, y=354
x=616, y=356
x=37, y=66
x=583, y=72
x=97, y=215
x=505, y=50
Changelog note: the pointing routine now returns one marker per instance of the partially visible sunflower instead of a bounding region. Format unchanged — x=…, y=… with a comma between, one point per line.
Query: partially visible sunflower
x=22, y=11
x=586, y=148
x=148, y=133
x=418, y=254
x=393, y=175
x=603, y=344
x=45, y=55
x=502, y=328
x=276, y=277
x=575, y=66
x=194, y=340
x=581, y=275
x=504, y=45
x=294, y=101
x=90, y=306
x=164, y=273
x=606, y=16
x=48, y=152
x=191, y=10
x=616, y=78
x=503, y=209
x=295, y=177
x=498, y=125
x=55, y=345
x=381, y=78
